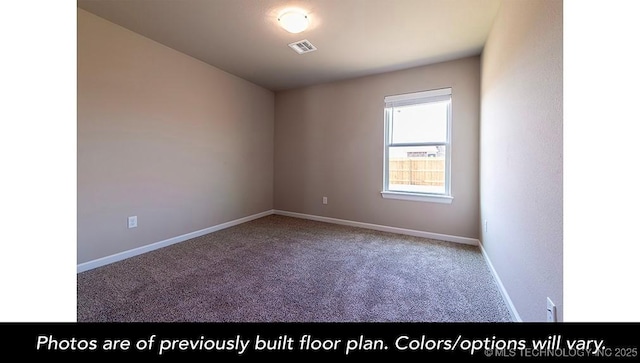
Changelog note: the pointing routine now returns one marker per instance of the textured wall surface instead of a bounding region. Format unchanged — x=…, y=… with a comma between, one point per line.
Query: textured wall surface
x=174, y=141
x=329, y=142
x=521, y=153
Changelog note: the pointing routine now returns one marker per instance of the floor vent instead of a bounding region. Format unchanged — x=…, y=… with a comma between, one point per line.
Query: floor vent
x=302, y=46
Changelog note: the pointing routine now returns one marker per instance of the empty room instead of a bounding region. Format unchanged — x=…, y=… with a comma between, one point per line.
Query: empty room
x=319, y=161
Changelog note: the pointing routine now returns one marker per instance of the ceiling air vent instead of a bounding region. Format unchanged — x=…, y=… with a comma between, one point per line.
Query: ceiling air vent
x=302, y=46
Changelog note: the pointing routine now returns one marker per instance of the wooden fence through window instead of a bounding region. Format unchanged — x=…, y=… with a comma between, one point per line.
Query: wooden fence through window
x=417, y=171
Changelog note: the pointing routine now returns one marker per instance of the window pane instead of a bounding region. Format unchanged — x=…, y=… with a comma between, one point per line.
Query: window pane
x=418, y=169
x=426, y=122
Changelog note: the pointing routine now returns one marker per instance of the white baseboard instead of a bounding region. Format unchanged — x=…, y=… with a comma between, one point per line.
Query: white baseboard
x=411, y=232
x=377, y=227
x=167, y=242
x=443, y=237
x=505, y=295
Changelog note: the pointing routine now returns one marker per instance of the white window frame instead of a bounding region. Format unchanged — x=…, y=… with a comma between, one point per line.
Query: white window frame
x=413, y=99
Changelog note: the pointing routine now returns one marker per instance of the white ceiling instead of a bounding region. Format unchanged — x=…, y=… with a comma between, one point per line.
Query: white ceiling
x=353, y=37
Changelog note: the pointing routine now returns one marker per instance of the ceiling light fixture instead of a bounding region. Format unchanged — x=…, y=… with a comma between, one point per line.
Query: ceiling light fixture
x=294, y=21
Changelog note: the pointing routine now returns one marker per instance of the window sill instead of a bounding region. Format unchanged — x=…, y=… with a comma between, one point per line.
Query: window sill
x=431, y=198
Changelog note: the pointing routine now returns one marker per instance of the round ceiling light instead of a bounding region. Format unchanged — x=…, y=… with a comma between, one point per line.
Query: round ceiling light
x=294, y=21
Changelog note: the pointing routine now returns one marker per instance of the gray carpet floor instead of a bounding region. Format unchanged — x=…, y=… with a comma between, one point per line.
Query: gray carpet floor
x=282, y=269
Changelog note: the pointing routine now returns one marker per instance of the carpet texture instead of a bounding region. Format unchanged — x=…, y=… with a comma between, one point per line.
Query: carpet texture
x=282, y=269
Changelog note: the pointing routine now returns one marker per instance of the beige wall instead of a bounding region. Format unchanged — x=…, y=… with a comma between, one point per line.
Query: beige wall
x=329, y=142
x=521, y=153
x=180, y=144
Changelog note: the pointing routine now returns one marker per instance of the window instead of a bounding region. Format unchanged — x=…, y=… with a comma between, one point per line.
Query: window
x=417, y=146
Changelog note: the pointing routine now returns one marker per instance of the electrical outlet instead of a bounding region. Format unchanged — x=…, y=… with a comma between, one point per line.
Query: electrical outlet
x=325, y=200
x=551, y=311
x=133, y=221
